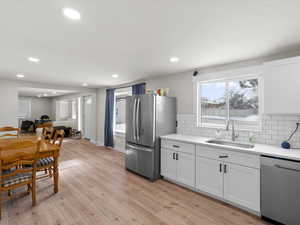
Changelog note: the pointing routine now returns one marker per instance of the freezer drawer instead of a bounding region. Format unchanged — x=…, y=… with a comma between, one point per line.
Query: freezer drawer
x=280, y=190
x=140, y=160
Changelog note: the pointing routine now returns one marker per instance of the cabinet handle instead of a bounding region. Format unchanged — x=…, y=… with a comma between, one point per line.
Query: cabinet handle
x=223, y=156
x=220, y=167
x=173, y=155
x=287, y=168
x=176, y=156
x=225, y=168
x=176, y=146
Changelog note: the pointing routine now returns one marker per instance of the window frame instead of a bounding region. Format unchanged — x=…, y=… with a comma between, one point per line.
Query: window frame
x=201, y=124
x=122, y=94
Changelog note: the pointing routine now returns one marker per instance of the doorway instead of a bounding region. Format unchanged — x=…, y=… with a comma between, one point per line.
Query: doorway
x=87, y=117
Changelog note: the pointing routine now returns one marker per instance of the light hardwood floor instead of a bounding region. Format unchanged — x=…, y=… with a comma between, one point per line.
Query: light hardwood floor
x=95, y=189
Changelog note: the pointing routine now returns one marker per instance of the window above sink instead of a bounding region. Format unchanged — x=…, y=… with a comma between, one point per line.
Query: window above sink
x=222, y=100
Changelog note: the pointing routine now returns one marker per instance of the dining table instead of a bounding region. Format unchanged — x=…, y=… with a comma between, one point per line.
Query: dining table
x=46, y=150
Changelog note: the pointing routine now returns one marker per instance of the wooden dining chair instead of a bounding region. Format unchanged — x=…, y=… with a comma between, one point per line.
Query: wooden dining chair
x=20, y=169
x=13, y=132
x=48, y=133
x=43, y=125
x=39, y=129
x=47, y=164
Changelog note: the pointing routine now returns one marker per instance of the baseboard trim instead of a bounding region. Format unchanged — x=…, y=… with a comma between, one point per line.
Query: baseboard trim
x=99, y=143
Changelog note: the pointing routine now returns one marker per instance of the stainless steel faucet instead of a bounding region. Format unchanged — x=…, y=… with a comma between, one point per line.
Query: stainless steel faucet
x=233, y=134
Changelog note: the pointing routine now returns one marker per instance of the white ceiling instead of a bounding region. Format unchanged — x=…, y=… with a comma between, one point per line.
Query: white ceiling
x=40, y=92
x=136, y=38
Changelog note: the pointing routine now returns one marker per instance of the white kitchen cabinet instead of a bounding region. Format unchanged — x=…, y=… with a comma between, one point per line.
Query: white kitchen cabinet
x=231, y=176
x=242, y=186
x=168, y=164
x=281, y=86
x=186, y=168
x=209, y=176
x=178, y=162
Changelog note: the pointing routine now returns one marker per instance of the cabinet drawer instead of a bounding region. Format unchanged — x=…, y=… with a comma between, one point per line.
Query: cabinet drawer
x=209, y=152
x=239, y=158
x=178, y=146
x=243, y=159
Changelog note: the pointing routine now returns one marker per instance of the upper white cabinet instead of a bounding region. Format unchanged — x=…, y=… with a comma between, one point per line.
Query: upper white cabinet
x=281, y=86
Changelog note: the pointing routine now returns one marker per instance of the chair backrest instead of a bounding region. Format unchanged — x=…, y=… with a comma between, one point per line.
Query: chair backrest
x=43, y=125
x=48, y=133
x=22, y=163
x=58, y=137
x=10, y=130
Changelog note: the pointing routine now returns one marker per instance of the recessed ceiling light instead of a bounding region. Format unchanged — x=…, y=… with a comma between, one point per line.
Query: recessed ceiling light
x=115, y=75
x=39, y=96
x=71, y=13
x=32, y=59
x=45, y=95
x=20, y=75
x=84, y=84
x=174, y=59
x=54, y=92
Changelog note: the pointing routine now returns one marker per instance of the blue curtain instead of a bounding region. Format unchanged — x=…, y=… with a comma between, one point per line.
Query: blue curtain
x=139, y=89
x=109, y=117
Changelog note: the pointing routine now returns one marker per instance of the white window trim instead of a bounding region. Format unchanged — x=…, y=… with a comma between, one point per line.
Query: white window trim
x=121, y=93
x=255, y=75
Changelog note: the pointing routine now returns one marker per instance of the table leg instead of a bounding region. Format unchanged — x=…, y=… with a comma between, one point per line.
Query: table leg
x=55, y=174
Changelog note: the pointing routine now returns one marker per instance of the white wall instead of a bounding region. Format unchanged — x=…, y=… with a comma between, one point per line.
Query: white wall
x=9, y=105
x=181, y=87
x=40, y=106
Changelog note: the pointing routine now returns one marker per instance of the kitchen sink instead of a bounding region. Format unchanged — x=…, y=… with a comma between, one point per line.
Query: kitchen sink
x=230, y=143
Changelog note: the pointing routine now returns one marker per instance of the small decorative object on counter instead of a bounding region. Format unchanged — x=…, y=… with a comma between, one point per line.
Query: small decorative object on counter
x=285, y=144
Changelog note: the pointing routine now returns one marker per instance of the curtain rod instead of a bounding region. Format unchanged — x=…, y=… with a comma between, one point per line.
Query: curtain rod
x=126, y=85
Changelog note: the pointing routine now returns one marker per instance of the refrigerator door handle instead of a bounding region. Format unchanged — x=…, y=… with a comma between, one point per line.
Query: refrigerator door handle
x=139, y=148
x=134, y=119
x=138, y=135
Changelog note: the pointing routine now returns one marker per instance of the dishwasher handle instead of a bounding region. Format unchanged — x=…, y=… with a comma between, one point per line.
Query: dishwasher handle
x=286, y=168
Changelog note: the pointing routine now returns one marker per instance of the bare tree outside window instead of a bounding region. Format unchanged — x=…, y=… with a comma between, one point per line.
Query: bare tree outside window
x=243, y=100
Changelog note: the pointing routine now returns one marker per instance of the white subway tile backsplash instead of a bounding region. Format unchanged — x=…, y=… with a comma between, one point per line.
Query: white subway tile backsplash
x=275, y=129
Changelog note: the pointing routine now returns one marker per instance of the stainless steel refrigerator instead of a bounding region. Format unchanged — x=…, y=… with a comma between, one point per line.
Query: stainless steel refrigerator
x=147, y=118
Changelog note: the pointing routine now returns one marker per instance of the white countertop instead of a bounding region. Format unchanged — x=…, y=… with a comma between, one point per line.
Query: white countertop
x=260, y=149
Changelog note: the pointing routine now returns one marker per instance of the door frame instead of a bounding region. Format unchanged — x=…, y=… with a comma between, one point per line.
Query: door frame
x=93, y=116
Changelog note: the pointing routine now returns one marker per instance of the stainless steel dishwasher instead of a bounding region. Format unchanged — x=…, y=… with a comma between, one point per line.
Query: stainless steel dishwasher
x=280, y=190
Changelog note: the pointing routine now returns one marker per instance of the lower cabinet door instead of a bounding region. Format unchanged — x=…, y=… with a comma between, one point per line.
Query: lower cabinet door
x=209, y=176
x=242, y=186
x=168, y=164
x=186, y=169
